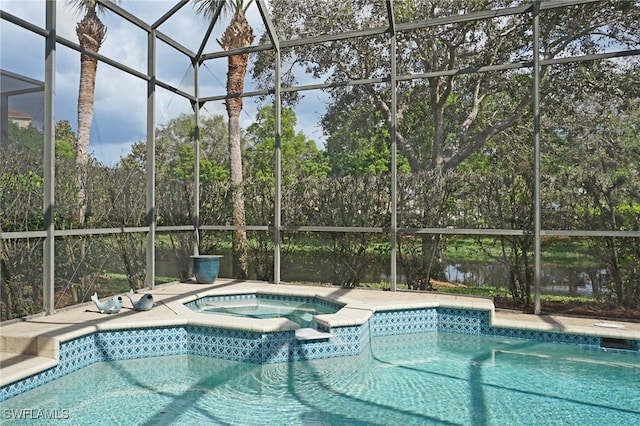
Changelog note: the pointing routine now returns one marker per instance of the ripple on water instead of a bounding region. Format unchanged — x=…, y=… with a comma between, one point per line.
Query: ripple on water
x=418, y=379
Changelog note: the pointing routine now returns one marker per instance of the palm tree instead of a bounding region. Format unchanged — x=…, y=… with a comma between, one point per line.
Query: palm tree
x=91, y=33
x=238, y=34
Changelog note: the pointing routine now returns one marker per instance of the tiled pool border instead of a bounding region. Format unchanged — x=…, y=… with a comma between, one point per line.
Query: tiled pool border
x=279, y=346
x=317, y=300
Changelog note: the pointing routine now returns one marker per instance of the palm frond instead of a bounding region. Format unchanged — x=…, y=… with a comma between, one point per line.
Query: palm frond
x=81, y=6
x=207, y=8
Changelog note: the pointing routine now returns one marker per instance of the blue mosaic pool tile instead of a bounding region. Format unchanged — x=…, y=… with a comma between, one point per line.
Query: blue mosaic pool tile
x=350, y=340
x=281, y=347
x=546, y=336
x=389, y=323
x=141, y=343
x=278, y=347
x=274, y=297
x=77, y=353
x=275, y=348
x=74, y=355
x=236, y=345
x=463, y=321
x=13, y=389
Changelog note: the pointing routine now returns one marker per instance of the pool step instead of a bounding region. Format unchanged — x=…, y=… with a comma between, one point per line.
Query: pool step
x=304, y=334
x=18, y=366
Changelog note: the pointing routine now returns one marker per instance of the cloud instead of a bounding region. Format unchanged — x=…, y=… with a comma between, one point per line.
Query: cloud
x=120, y=98
x=110, y=154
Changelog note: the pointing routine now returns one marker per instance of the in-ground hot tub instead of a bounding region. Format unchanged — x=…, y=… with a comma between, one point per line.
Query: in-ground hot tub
x=299, y=309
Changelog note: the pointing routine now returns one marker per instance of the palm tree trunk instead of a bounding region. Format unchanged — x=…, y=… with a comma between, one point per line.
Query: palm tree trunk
x=88, y=68
x=91, y=33
x=238, y=34
x=235, y=83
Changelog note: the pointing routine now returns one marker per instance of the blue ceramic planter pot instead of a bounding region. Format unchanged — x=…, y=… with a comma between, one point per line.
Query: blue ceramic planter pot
x=206, y=268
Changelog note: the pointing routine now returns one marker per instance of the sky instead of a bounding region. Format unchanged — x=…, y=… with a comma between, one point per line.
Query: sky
x=120, y=98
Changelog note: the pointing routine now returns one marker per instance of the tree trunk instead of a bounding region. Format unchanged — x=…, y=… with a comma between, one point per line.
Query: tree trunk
x=91, y=33
x=235, y=85
x=88, y=68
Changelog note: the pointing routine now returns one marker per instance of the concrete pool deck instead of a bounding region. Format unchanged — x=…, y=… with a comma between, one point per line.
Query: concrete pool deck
x=31, y=345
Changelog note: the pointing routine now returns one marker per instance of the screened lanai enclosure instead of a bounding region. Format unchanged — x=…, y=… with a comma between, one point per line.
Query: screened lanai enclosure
x=393, y=144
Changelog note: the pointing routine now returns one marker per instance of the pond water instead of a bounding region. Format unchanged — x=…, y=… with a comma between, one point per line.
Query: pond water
x=317, y=268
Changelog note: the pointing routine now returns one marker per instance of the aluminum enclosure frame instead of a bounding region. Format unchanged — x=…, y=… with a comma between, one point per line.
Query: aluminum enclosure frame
x=530, y=8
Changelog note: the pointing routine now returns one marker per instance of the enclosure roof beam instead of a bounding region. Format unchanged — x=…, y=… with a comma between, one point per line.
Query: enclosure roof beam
x=592, y=57
x=169, y=14
x=179, y=47
x=212, y=24
x=488, y=14
x=101, y=58
x=23, y=24
x=443, y=231
x=175, y=90
x=391, y=17
x=231, y=52
x=271, y=29
x=393, y=26
x=408, y=77
x=325, y=38
x=112, y=6
x=148, y=27
x=23, y=91
x=121, y=67
x=35, y=85
x=243, y=95
x=554, y=4
x=467, y=17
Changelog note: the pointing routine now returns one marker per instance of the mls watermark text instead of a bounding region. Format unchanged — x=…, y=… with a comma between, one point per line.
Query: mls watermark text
x=35, y=414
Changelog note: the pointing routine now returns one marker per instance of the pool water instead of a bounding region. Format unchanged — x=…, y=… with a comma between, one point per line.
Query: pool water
x=401, y=380
x=298, y=310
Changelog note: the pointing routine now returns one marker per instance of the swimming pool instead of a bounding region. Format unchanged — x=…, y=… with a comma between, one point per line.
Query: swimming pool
x=425, y=378
x=148, y=342
x=298, y=309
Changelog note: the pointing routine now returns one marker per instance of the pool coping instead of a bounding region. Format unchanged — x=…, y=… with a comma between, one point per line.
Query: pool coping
x=32, y=345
